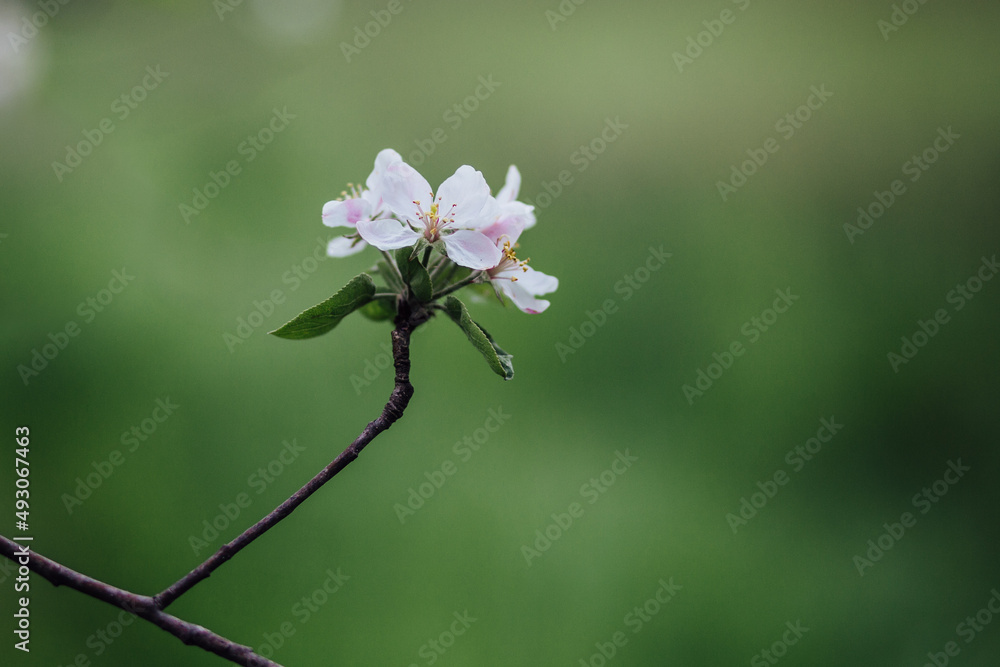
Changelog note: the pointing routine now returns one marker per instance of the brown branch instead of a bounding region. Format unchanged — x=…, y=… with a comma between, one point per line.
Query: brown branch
x=392, y=411
x=151, y=608
x=140, y=605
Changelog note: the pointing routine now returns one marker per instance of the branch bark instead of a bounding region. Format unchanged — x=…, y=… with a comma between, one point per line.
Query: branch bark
x=151, y=608
x=140, y=605
x=393, y=410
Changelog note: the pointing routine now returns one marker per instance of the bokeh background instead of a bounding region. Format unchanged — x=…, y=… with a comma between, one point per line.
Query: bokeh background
x=559, y=73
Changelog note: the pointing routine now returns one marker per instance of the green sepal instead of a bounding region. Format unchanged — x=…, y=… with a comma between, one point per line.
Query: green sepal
x=414, y=274
x=390, y=276
x=439, y=247
x=417, y=248
x=324, y=316
x=501, y=362
x=379, y=310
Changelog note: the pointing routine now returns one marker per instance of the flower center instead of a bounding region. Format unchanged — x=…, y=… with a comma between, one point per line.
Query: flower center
x=434, y=222
x=352, y=192
x=510, y=262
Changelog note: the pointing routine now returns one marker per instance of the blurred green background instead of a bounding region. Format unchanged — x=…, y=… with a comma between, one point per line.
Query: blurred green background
x=225, y=68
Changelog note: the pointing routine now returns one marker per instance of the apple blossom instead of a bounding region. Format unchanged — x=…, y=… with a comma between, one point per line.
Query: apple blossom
x=356, y=205
x=513, y=277
x=454, y=216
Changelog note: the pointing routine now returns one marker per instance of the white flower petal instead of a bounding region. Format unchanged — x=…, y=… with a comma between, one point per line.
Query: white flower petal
x=374, y=200
x=472, y=249
x=346, y=213
x=504, y=229
x=511, y=186
x=345, y=246
x=536, y=282
x=519, y=212
x=387, y=234
x=400, y=186
x=522, y=297
x=383, y=160
x=463, y=196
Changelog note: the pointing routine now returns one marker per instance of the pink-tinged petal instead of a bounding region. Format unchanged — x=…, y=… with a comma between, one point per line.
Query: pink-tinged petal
x=345, y=246
x=504, y=229
x=387, y=234
x=526, y=212
x=375, y=202
x=521, y=213
x=383, y=160
x=522, y=297
x=536, y=282
x=472, y=250
x=492, y=211
x=400, y=186
x=345, y=213
x=511, y=186
x=463, y=196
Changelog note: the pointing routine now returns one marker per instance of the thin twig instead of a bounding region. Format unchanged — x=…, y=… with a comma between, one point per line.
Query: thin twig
x=151, y=608
x=473, y=278
x=440, y=265
x=140, y=605
x=392, y=411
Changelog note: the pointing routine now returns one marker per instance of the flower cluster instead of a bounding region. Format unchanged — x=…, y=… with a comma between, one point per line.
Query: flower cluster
x=467, y=235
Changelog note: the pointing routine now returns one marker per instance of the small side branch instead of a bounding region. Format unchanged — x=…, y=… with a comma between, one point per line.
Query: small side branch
x=151, y=608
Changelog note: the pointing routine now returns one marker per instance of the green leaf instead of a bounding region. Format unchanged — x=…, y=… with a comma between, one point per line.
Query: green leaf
x=500, y=361
x=414, y=274
x=420, y=282
x=379, y=310
x=325, y=316
x=403, y=256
